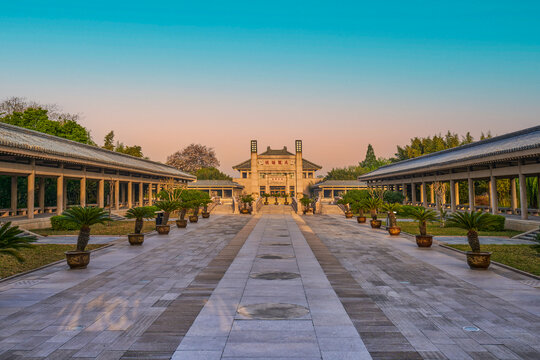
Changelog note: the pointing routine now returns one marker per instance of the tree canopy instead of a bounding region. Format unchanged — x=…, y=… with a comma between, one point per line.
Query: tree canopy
x=108, y=143
x=211, y=173
x=193, y=157
x=370, y=163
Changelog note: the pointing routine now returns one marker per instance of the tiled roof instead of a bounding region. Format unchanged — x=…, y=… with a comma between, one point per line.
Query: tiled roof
x=41, y=145
x=504, y=144
x=276, y=151
x=341, y=183
x=306, y=165
x=214, y=183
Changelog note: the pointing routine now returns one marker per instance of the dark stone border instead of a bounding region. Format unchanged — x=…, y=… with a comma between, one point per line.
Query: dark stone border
x=382, y=338
x=161, y=339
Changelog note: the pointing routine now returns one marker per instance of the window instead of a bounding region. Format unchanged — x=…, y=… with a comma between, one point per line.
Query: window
x=305, y=175
x=310, y=175
x=262, y=190
x=291, y=190
x=244, y=175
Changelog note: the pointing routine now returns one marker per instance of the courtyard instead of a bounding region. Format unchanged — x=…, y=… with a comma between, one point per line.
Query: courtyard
x=271, y=286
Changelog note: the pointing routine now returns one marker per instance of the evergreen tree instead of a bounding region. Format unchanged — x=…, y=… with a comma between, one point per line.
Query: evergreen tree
x=108, y=141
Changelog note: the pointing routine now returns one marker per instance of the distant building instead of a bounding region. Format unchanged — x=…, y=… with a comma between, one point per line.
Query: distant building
x=330, y=189
x=277, y=171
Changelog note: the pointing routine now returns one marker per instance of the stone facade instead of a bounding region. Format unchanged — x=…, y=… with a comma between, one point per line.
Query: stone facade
x=277, y=171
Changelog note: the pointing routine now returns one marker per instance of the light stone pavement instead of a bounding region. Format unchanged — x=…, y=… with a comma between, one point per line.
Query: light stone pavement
x=431, y=295
x=222, y=331
x=486, y=240
x=185, y=296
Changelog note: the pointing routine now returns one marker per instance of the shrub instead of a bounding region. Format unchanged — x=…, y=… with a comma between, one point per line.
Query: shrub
x=405, y=210
x=497, y=225
x=60, y=223
x=393, y=197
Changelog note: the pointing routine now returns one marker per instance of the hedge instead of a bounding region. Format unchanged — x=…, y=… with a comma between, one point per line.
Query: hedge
x=59, y=223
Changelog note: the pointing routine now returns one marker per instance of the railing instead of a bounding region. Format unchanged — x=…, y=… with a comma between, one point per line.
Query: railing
x=342, y=207
x=318, y=206
x=215, y=202
x=294, y=204
x=258, y=204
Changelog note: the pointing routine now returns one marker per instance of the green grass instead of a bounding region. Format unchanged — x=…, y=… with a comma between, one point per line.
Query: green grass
x=434, y=229
x=522, y=257
x=111, y=228
x=37, y=256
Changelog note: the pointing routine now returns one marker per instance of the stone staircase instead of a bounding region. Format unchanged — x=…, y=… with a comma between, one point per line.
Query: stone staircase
x=529, y=235
x=330, y=209
x=222, y=209
x=116, y=217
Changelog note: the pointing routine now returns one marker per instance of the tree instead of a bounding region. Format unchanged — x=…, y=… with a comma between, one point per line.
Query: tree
x=370, y=159
x=192, y=158
x=12, y=240
x=211, y=173
x=108, y=141
x=15, y=104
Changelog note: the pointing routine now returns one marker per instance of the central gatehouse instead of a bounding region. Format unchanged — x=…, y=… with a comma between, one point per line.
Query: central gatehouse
x=277, y=171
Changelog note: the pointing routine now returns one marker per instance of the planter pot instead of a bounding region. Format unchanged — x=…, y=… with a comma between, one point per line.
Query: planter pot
x=286, y=203
x=478, y=260
x=276, y=203
x=205, y=215
x=349, y=215
x=163, y=229
x=266, y=203
x=181, y=223
x=394, y=230
x=77, y=259
x=193, y=218
x=376, y=224
x=424, y=241
x=244, y=211
x=361, y=219
x=136, y=239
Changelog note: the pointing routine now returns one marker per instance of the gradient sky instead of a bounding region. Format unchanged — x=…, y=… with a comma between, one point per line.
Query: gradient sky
x=338, y=75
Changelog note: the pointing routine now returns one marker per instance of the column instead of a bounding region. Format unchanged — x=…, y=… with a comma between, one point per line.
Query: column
x=141, y=198
x=41, y=199
x=13, y=195
x=457, y=192
x=130, y=194
x=82, y=195
x=150, y=196
x=117, y=194
x=60, y=194
x=513, y=195
x=423, y=195
x=65, y=201
x=404, y=191
x=413, y=193
x=453, y=189
x=493, y=198
x=31, y=191
x=101, y=193
x=432, y=193
x=538, y=193
x=523, y=197
x=471, y=194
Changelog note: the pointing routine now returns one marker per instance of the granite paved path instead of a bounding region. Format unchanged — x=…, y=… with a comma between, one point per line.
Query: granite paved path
x=429, y=296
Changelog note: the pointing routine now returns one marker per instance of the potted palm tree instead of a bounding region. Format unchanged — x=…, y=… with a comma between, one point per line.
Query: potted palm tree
x=11, y=241
x=168, y=207
x=373, y=204
x=361, y=218
x=346, y=202
x=306, y=203
x=185, y=202
x=391, y=209
x=473, y=222
x=423, y=216
x=139, y=214
x=266, y=196
x=205, y=200
x=276, y=196
x=246, y=200
x=83, y=218
x=286, y=197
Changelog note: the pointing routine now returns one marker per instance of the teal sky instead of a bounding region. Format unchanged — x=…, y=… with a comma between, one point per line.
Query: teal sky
x=338, y=75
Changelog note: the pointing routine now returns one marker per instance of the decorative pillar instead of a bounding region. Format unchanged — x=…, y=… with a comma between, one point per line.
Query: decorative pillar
x=493, y=198
x=41, y=200
x=117, y=194
x=432, y=193
x=299, y=169
x=130, y=194
x=423, y=195
x=254, y=179
x=30, y=200
x=82, y=194
x=456, y=191
x=101, y=193
x=150, y=196
x=60, y=194
x=14, y=196
x=65, y=202
x=471, y=194
x=453, y=189
x=523, y=196
x=413, y=193
x=513, y=195
x=141, y=194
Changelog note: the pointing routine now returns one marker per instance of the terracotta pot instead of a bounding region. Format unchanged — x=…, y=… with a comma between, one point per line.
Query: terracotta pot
x=394, y=230
x=361, y=219
x=376, y=224
x=244, y=211
x=286, y=203
x=181, y=223
x=478, y=260
x=136, y=239
x=266, y=203
x=424, y=241
x=193, y=218
x=205, y=215
x=163, y=229
x=78, y=259
x=349, y=215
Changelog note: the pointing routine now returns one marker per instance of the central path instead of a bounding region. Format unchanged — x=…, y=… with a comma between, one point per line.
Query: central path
x=273, y=302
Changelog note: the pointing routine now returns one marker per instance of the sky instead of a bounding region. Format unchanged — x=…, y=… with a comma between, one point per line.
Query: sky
x=338, y=75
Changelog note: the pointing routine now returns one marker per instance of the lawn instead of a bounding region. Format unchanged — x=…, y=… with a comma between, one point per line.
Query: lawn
x=39, y=255
x=434, y=229
x=110, y=228
x=522, y=257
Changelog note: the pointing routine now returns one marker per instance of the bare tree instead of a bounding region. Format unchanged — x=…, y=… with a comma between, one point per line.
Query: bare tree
x=193, y=157
x=20, y=104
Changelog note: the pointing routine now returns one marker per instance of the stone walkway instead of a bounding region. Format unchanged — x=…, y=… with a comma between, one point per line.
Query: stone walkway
x=272, y=286
x=486, y=240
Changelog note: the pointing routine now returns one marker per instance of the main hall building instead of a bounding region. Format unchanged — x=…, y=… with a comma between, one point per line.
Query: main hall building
x=277, y=171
